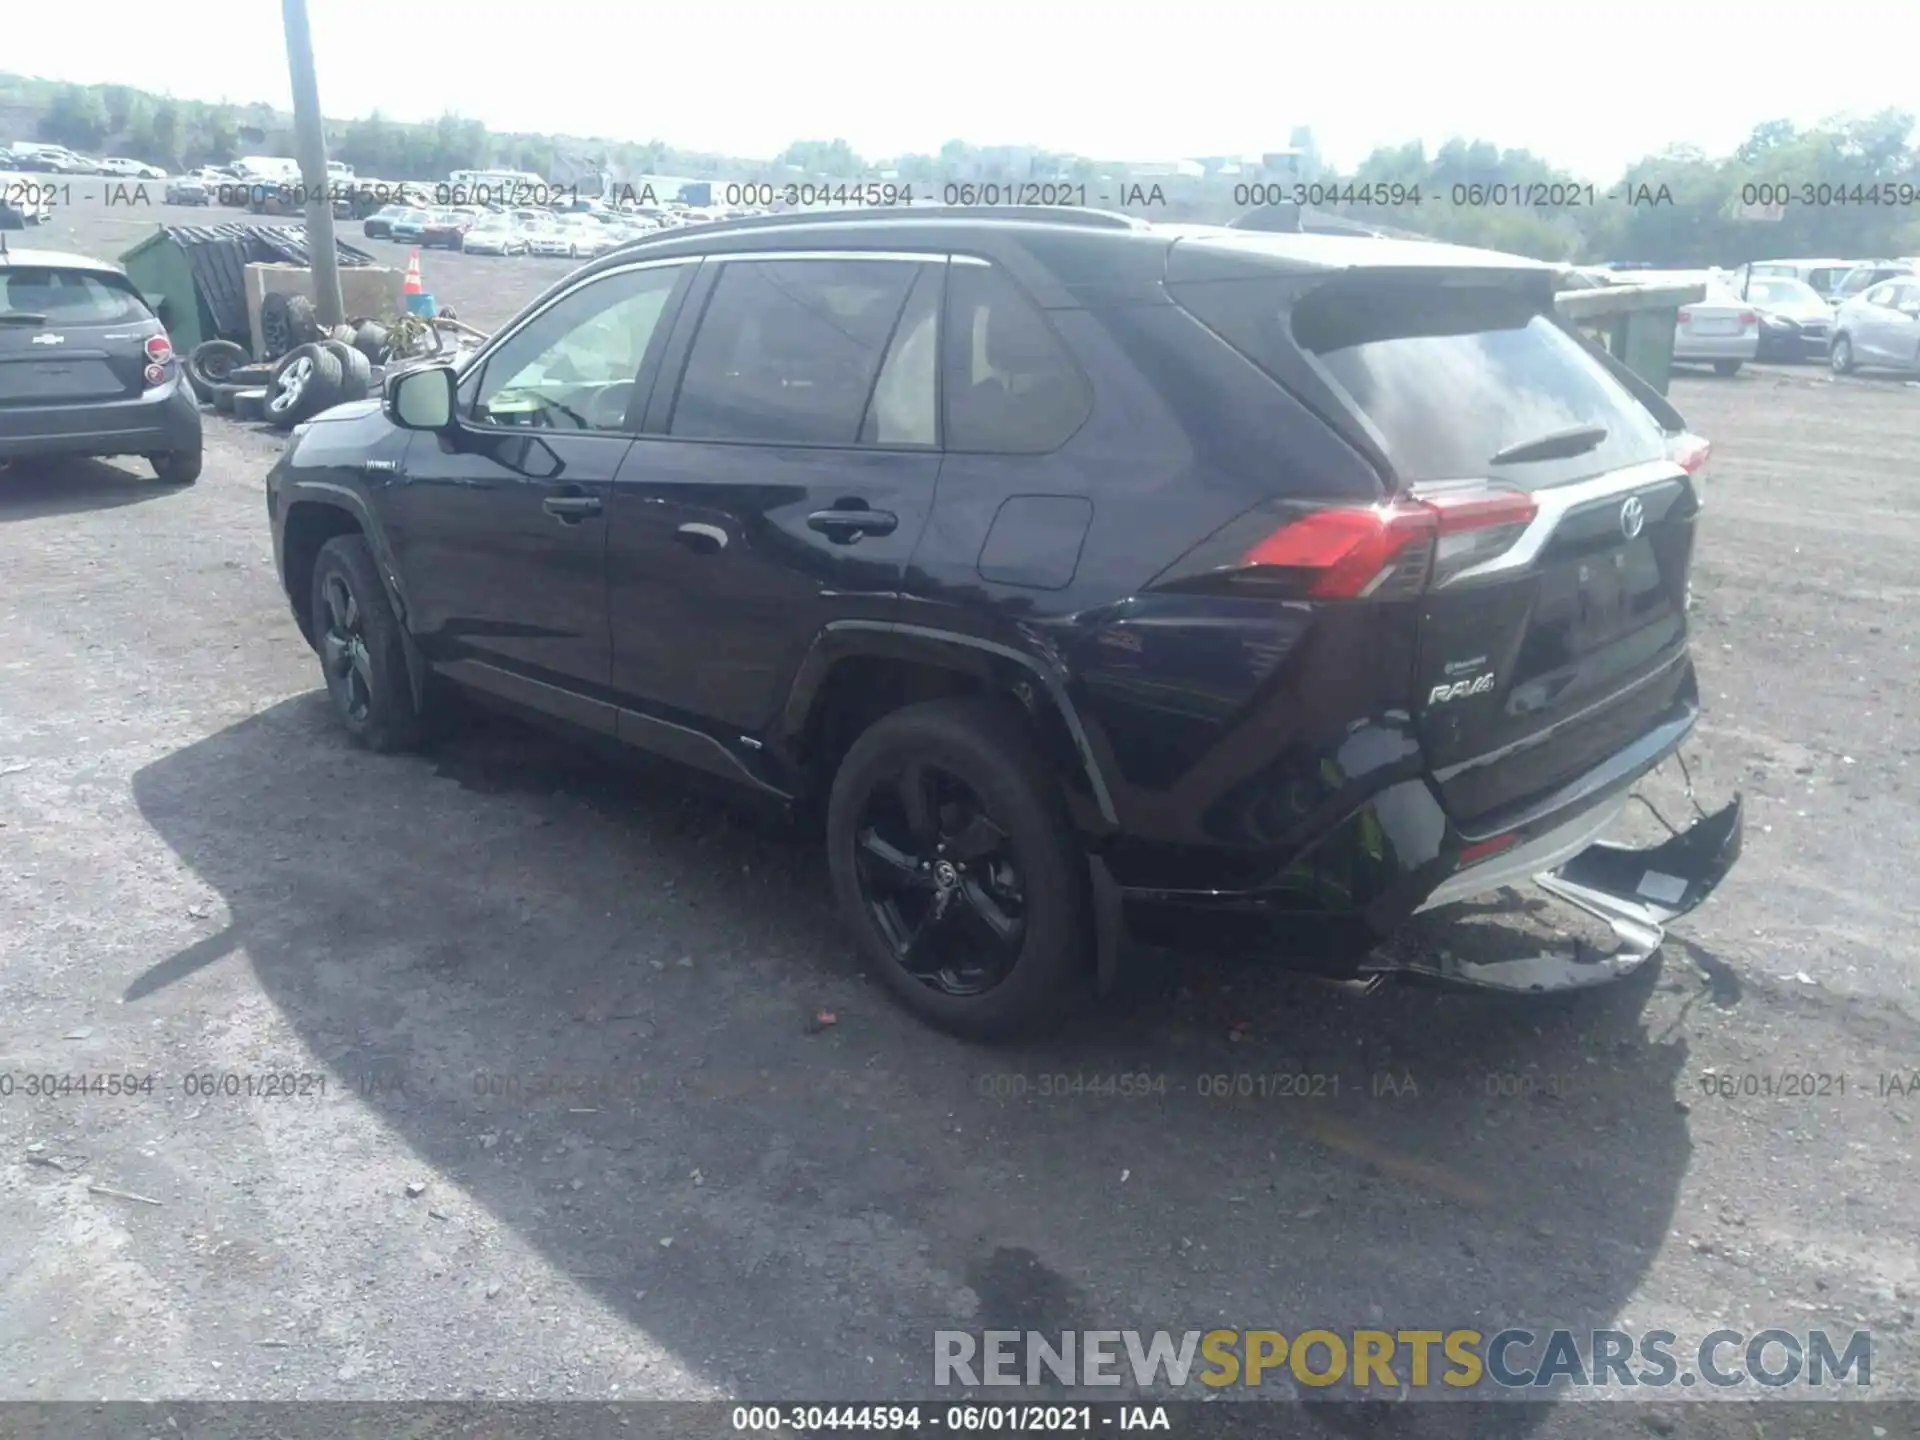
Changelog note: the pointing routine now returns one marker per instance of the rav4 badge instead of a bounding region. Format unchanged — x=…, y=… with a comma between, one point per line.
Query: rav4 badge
x=1460, y=689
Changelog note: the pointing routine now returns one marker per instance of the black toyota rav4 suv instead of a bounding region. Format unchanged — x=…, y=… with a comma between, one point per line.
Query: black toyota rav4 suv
x=1224, y=590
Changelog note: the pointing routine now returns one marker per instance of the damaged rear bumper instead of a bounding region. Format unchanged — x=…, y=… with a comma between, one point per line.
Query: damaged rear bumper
x=1637, y=892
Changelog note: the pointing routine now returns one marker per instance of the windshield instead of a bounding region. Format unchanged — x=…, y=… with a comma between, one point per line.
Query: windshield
x=69, y=297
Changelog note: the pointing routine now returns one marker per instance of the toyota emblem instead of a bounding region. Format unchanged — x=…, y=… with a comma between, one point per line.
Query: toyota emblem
x=1633, y=517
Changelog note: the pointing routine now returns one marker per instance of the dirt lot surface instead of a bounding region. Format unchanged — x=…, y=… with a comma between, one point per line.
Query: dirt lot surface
x=579, y=1138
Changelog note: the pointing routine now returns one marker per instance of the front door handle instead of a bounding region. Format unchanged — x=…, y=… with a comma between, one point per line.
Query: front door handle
x=843, y=527
x=571, y=509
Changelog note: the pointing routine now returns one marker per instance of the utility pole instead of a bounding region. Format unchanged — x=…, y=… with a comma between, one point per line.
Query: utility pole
x=310, y=140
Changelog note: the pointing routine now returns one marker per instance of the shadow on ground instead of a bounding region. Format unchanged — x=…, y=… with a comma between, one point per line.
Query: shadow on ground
x=588, y=998
x=41, y=489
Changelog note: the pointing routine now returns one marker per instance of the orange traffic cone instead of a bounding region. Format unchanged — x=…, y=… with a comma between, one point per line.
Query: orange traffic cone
x=417, y=300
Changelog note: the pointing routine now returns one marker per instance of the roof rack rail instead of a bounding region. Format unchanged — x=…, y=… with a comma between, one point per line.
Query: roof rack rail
x=1085, y=216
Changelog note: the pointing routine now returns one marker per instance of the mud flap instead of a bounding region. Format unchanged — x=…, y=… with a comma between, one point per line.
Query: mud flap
x=1637, y=892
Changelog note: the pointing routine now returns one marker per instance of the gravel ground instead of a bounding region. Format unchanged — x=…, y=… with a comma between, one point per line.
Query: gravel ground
x=579, y=1139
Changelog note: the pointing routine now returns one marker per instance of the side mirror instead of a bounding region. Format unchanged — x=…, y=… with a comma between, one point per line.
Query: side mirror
x=421, y=399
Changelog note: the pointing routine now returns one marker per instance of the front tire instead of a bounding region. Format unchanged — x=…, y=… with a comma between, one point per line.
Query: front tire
x=362, y=656
x=955, y=865
x=1841, y=356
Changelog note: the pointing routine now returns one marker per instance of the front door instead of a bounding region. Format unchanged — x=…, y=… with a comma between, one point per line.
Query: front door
x=499, y=528
x=784, y=481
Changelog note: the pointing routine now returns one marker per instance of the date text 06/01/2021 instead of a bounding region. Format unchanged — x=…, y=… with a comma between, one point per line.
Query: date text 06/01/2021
x=972, y=1419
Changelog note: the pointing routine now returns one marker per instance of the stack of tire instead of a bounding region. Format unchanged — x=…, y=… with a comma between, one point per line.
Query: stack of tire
x=313, y=369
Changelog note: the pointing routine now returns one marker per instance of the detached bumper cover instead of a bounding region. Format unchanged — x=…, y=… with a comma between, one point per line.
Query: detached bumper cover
x=1637, y=892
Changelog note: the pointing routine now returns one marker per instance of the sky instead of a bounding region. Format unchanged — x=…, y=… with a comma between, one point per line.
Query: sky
x=1134, y=80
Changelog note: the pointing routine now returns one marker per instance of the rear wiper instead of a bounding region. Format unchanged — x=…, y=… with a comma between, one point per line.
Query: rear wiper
x=1558, y=445
x=20, y=317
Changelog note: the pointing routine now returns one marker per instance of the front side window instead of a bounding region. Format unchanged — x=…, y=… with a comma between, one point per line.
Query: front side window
x=574, y=367
x=788, y=350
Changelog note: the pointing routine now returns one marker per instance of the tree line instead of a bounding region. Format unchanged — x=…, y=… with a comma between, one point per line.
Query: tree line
x=1851, y=186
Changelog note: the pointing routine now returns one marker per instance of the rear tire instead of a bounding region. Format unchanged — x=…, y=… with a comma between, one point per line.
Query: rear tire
x=362, y=655
x=976, y=765
x=1726, y=367
x=178, y=467
x=1840, y=358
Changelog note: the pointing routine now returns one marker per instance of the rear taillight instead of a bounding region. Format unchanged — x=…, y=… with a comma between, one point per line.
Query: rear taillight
x=1691, y=452
x=159, y=349
x=1359, y=552
x=1685, y=317
x=1748, y=320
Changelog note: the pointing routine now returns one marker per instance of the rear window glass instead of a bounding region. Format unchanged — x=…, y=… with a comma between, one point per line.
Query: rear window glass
x=68, y=297
x=1447, y=379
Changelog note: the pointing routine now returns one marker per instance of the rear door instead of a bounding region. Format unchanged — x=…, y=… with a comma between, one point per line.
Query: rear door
x=1556, y=638
x=786, y=481
x=71, y=337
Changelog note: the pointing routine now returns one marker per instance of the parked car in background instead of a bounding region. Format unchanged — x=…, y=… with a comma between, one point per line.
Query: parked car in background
x=86, y=368
x=1722, y=330
x=188, y=191
x=577, y=237
x=1865, y=275
x=50, y=160
x=124, y=168
x=379, y=225
x=1823, y=274
x=495, y=235
x=1796, y=322
x=19, y=209
x=447, y=227
x=1879, y=328
x=409, y=225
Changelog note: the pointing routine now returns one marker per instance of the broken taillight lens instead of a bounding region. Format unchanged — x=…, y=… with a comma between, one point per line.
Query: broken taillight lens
x=1360, y=552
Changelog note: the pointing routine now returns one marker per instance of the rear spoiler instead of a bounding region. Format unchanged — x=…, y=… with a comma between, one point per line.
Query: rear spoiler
x=1662, y=408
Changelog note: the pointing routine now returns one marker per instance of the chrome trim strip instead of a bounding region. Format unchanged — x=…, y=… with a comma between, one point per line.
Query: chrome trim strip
x=1554, y=505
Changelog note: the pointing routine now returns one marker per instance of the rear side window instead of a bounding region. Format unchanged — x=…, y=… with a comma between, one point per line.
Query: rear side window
x=69, y=297
x=788, y=350
x=1011, y=387
x=1445, y=379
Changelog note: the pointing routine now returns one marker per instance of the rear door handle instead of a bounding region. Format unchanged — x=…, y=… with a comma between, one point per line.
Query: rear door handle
x=571, y=509
x=843, y=527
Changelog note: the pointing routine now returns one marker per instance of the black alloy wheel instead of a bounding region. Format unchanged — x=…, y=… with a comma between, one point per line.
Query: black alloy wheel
x=343, y=649
x=958, y=871
x=362, y=654
x=941, y=881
